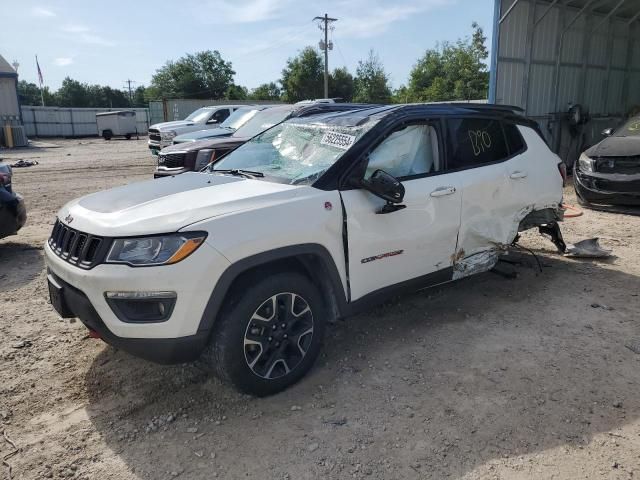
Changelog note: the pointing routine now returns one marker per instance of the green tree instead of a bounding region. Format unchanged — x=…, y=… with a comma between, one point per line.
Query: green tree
x=72, y=93
x=29, y=94
x=302, y=77
x=139, y=97
x=266, y=91
x=372, y=82
x=451, y=71
x=341, y=84
x=204, y=74
x=236, y=92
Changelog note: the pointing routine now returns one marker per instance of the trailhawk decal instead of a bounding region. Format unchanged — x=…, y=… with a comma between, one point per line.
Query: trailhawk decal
x=382, y=255
x=339, y=140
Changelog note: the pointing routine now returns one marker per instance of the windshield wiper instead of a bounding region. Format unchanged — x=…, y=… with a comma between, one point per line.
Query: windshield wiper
x=239, y=172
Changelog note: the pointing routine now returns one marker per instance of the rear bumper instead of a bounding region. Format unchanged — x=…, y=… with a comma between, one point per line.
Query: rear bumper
x=13, y=214
x=607, y=189
x=159, y=350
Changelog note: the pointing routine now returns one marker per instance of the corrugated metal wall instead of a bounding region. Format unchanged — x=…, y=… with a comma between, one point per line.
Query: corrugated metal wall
x=71, y=122
x=178, y=109
x=8, y=99
x=598, y=69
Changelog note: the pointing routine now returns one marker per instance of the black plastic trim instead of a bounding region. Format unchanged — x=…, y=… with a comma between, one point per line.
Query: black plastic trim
x=379, y=296
x=227, y=278
x=345, y=308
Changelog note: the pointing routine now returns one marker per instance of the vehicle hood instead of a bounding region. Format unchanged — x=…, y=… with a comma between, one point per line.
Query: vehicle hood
x=223, y=143
x=615, y=147
x=169, y=204
x=165, y=126
x=203, y=134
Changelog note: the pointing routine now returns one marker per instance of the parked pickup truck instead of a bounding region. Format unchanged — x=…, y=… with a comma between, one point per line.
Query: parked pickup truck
x=314, y=219
x=161, y=134
x=236, y=120
x=186, y=157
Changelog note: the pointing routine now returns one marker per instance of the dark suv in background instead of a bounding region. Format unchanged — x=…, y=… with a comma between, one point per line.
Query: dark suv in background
x=608, y=173
x=13, y=214
x=194, y=156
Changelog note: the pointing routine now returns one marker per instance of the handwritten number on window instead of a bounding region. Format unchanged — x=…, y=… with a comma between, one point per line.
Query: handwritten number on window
x=480, y=141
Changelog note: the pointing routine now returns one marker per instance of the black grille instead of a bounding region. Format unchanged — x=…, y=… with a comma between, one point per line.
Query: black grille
x=171, y=160
x=154, y=134
x=625, y=165
x=75, y=247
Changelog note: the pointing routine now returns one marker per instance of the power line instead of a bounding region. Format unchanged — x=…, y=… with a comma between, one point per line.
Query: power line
x=324, y=23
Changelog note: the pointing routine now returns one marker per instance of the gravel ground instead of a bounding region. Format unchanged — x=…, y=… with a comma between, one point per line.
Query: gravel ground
x=488, y=377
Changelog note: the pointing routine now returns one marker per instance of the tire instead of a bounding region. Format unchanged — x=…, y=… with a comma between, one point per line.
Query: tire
x=128, y=136
x=107, y=134
x=259, y=349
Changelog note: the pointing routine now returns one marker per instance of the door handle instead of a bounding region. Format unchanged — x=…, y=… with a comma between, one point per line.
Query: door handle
x=442, y=191
x=518, y=174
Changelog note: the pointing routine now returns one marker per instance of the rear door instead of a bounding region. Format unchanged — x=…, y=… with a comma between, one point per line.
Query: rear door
x=417, y=241
x=478, y=153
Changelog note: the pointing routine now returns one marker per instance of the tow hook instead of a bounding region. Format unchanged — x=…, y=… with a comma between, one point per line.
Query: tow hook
x=94, y=334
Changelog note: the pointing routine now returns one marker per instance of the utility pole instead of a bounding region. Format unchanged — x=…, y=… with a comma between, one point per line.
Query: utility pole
x=326, y=46
x=129, y=82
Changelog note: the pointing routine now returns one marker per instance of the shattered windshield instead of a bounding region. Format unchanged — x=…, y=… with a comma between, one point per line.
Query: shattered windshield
x=631, y=128
x=292, y=153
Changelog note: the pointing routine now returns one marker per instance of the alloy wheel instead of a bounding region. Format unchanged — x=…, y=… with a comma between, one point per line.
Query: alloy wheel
x=278, y=335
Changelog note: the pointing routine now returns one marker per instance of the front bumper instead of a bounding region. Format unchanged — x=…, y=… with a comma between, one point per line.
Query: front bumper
x=607, y=188
x=159, y=350
x=13, y=214
x=192, y=280
x=155, y=146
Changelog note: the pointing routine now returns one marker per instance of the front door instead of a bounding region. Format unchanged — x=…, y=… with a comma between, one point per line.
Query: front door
x=417, y=241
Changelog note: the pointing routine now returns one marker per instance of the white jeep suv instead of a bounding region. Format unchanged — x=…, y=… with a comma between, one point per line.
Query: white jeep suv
x=241, y=267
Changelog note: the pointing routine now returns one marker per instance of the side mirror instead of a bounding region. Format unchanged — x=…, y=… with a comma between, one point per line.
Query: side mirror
x=385, y=186
x=213, y=121
x=607, y=132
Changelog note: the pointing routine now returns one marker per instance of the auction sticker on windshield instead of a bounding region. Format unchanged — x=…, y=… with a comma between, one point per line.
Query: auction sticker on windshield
x=340, y=140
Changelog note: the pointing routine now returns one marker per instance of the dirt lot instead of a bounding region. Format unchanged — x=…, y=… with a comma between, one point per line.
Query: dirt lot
x=488, y=377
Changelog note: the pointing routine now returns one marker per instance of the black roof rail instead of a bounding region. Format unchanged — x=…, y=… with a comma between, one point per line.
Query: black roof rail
x=482, y=106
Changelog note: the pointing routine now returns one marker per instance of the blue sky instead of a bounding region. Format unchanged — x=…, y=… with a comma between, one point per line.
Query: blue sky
x=109, y=42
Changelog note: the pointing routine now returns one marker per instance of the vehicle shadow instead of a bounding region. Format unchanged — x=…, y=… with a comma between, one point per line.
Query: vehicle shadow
x=20, y=263
x=438, y=383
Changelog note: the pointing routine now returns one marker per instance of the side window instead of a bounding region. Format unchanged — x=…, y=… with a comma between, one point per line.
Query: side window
x=475, y=141
x=514, y=138
x=411, y=150
x=220, y=116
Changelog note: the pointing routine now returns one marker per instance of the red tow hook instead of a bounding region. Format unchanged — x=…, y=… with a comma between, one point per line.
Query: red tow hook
x=94, y=334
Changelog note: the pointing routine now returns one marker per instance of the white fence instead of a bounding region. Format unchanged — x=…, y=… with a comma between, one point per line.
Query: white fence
x=71, y=122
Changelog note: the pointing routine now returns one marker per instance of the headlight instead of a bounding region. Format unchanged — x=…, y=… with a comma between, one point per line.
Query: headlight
x=204, y=158
x=156, y=250
x=167, y=135
x=585, y=163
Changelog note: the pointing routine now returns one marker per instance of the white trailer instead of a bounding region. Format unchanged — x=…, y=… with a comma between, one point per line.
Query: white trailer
x=117, y=123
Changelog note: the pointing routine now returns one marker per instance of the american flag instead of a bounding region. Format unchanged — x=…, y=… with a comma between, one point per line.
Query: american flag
x=39, y=72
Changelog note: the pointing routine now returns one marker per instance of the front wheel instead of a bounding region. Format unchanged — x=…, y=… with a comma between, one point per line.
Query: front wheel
x=268, y=335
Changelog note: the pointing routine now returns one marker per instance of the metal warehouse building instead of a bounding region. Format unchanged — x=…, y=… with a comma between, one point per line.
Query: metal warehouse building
x=551, y=55
x=9, y=105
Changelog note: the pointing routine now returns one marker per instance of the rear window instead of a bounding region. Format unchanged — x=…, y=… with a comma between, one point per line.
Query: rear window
x=476, y=141
x=514, y=138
